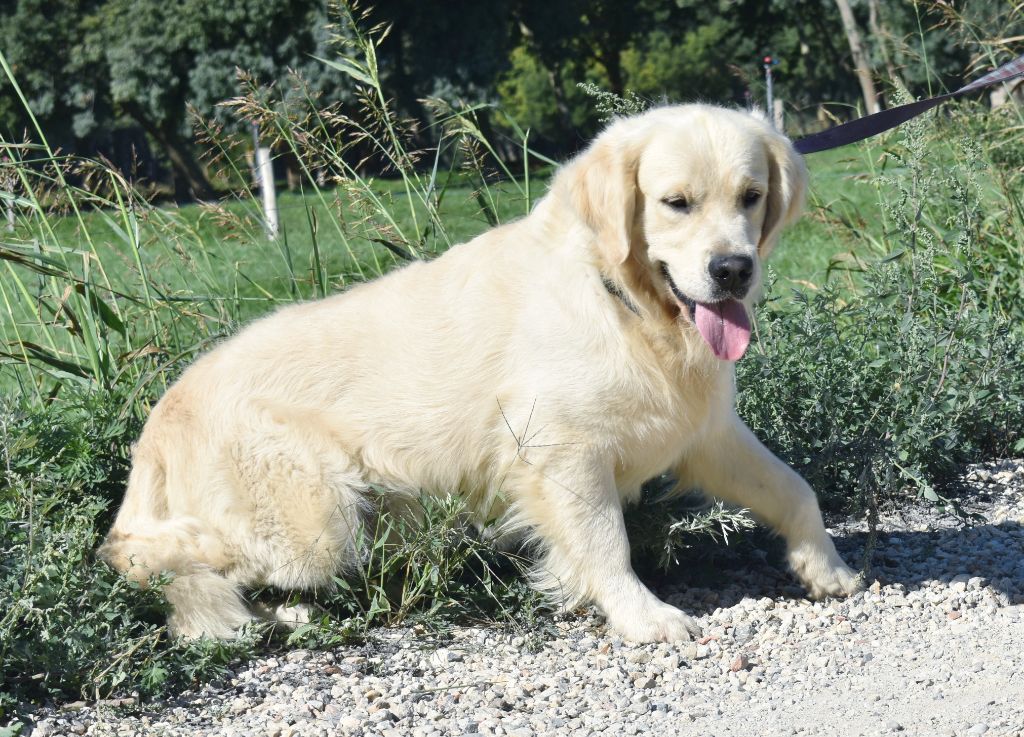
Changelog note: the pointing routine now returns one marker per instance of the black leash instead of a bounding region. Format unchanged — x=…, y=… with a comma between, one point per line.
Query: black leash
x=871, y=125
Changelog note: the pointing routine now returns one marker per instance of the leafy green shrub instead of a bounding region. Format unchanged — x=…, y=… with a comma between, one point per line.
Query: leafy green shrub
x=991, y=141
x=892, y=384
x=72, y=627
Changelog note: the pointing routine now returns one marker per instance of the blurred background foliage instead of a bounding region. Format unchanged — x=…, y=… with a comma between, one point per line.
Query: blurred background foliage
x=117, y=79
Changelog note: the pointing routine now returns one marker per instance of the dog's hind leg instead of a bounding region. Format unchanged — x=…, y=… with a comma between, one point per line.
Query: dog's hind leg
x=304, y=500
x=203, y=600
x=275, y=504
x=156, y=532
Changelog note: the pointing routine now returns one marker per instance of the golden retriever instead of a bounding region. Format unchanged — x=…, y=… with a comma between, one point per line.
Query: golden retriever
x=543, y=371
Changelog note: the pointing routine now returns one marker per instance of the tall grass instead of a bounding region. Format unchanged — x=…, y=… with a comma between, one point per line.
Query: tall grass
x=105, y=297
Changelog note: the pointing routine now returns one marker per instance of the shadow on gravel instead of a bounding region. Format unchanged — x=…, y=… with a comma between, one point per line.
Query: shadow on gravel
x=724, y=576
x=993, y=552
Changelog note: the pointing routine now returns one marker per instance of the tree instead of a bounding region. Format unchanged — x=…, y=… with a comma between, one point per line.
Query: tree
x=861, y=63
x=183, y=52
x=564, y=43
x=126, y=66
x=144, y=74
x=454, y=50
x=32, y=30
x=177, y=53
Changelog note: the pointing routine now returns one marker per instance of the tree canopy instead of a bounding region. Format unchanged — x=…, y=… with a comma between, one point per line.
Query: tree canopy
x=98, y=73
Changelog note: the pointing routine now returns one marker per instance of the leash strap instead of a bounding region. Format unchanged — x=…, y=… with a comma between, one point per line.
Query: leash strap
x=871, y=125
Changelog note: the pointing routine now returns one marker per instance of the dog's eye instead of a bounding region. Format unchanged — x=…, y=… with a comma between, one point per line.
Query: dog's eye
x=677, y=202
x=751, y=197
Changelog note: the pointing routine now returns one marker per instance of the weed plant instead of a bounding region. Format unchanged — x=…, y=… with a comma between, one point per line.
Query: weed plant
x=886, y=389
x=71, y=627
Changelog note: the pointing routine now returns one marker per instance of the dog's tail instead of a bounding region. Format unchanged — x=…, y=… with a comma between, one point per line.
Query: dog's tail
x=145, y=541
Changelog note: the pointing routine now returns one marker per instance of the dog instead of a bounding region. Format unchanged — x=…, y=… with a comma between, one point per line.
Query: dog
x=542, y=371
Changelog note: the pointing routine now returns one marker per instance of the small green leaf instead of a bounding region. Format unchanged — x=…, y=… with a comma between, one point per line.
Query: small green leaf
x=356, y=71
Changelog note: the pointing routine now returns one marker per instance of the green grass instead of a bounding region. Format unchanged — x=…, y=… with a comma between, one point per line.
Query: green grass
x=233, y=256
x=230, y=250
x=840, y=188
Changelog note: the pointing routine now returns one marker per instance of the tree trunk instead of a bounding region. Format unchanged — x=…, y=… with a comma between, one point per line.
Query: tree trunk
x=611, y=60
x=561, y=104
x=860, y=57
x=401, y=82
x=189, y=178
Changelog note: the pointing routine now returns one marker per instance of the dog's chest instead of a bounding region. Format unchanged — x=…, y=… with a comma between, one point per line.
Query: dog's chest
x=669, y=420
x=654, y=442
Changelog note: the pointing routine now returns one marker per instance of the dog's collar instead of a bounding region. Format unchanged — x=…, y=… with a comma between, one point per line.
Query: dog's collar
x=616, y=291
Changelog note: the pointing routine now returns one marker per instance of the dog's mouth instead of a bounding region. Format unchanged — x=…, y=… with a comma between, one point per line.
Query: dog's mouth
x=724, y=325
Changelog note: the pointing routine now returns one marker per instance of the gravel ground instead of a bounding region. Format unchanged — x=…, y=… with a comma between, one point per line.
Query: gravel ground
x=933, y=647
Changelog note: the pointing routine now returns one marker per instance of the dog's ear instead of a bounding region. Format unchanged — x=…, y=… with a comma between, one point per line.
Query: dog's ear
x=600, y=186
x=787, y=186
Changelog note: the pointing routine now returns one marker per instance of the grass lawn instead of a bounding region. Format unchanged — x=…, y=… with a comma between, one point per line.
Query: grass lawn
x=226, y=243
x=840, y=189
x=221, y=250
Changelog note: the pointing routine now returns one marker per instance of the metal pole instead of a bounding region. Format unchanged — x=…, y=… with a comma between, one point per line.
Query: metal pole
x=770, y=103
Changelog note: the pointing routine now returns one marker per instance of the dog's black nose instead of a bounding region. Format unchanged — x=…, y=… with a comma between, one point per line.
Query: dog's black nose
x=732, y=273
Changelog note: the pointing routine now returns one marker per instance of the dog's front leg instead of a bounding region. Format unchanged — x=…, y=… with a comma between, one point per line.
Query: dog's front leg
x=576, y=514
x=733, y=465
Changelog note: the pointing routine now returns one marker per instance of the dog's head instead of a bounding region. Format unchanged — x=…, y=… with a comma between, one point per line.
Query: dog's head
x=694, y=197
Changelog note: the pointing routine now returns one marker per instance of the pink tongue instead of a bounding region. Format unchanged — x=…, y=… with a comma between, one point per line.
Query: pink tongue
x=725, y=327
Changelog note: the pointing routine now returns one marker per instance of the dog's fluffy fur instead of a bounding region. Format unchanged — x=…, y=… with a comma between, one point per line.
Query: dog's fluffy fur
x=543, y=371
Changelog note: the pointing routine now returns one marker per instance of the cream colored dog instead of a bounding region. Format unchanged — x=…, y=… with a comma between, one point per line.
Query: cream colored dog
x=543, y=371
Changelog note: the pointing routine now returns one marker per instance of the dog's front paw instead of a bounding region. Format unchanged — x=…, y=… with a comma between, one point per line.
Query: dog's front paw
x=658, y=622
x=823, y=572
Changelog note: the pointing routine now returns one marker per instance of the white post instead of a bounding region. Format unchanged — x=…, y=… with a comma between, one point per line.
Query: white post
x=777, y=116
x=266, y=171
x=265, y=181
x=772, y=107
